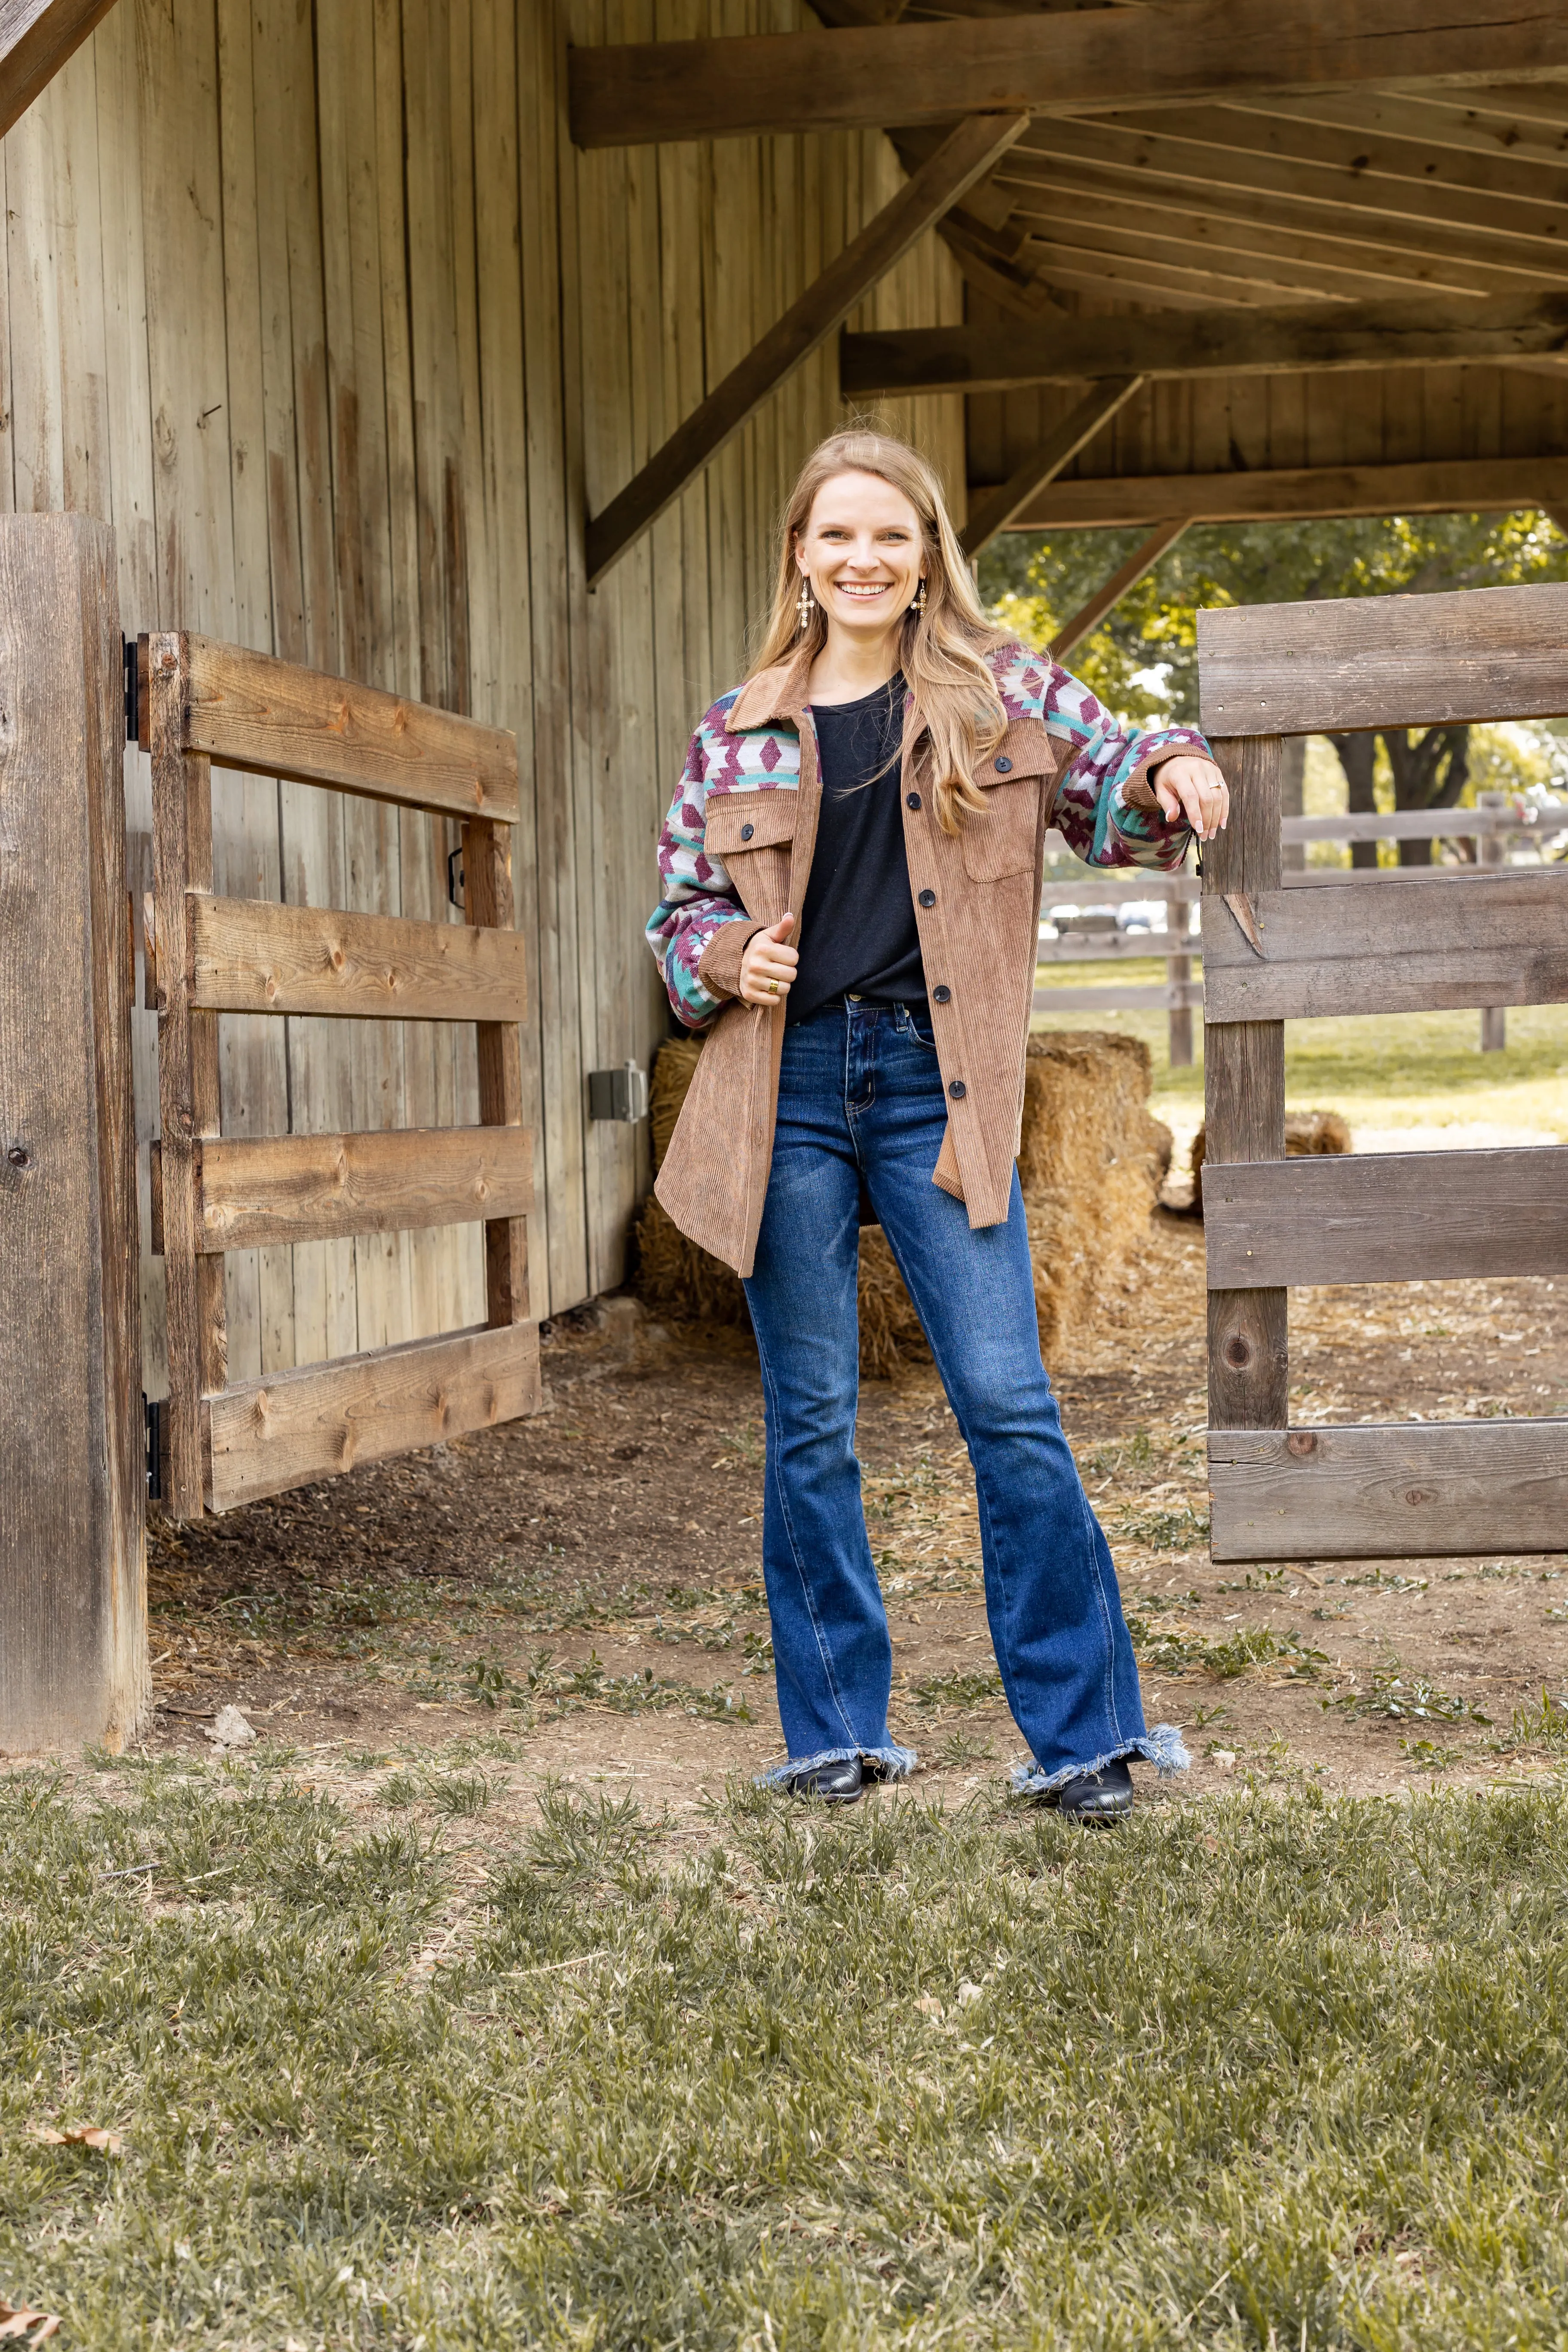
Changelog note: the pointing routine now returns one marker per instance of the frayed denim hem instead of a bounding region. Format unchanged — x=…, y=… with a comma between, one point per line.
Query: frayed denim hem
x=1162, y=1748
x=881, y=1763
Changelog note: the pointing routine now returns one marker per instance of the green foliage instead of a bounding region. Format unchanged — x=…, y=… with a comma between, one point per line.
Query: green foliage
x=1142, y=661
x=1265, y=2071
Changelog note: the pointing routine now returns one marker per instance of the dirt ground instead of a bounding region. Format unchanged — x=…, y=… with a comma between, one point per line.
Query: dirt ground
x=581, y=1592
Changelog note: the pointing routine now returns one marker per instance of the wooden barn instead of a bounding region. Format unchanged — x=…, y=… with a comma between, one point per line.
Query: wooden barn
x=466, y=351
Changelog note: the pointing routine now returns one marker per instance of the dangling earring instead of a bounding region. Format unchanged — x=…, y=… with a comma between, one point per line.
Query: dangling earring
x=803, y=604
x=919, y=605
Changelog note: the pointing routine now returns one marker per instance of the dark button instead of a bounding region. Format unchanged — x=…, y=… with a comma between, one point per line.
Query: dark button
x=958, y=1090
x=928, y=898
x=747, y=830
x=914, y=800
x=1003, y=767
x=943, y=995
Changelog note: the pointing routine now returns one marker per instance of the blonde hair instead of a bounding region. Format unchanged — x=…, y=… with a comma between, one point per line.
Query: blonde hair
x=941, y=650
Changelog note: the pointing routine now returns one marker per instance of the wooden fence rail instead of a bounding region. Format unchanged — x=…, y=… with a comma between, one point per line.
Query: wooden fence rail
x=207, y=956
x=1392, y=943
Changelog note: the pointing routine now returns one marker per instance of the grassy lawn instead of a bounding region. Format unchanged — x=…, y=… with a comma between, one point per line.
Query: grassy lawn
x=1273, y=2070
x=1405, y=1069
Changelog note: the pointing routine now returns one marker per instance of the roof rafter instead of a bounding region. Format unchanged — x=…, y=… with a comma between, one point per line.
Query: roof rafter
x=873, y=77
x=1441, y=486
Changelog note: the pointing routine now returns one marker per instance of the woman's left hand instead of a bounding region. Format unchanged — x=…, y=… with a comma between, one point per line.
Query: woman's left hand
x=1191, y=787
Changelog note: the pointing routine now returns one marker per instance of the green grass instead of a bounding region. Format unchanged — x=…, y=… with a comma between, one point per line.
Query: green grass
x=1392, y=1070
x=1261, y=2073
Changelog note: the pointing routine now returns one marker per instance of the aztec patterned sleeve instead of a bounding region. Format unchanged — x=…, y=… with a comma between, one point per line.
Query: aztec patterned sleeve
x=1105, y=808
x=698, y=896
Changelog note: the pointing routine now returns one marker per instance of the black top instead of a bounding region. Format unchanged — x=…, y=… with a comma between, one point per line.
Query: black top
x=857, y=930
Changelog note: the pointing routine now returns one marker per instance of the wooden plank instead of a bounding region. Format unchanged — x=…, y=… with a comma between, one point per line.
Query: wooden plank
x=1386, y=661
x=1193, y=157
x=323, y=1419
x=37, y=37
x=1437, y=486
x=1425, y=824
x=488, y=900
x=1118, y=947
x=1143, y=560
x=994, y=512
x=1053, y=63
x=1387, y=1216
x=1411, y=1490
x=1244, y=1099
x=962, y=157
x=73, y=1648
x=279, y=719
x=1176, y=996
x=188, y=1080
x=247, y=956
x=1085, y=887
x=292, y=1188
x=1438, y=942
x=1008, y=356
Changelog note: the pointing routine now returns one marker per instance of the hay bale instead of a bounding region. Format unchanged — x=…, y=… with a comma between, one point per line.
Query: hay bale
x=1091, y=1160
x=1306, y=1132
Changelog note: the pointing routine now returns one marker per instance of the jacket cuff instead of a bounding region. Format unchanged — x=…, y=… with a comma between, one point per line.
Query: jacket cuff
x=719, y=967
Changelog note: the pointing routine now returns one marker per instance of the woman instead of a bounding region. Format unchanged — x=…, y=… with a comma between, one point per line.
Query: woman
x=887, y=775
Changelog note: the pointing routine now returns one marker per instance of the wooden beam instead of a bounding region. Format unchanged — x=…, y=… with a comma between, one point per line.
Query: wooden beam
x=1088, y=617
x=1087, y=61
x=267, y=1435
x=37, y=37
x=1437, y=486
x=1447, y=942
x=1408, y=1490
x=1474, y=654
x=962, y=159
x=1387, y=1216
x=248, y=955
x=255, y=1190
x=1436, y=331
x=73, y=1646
x=247, y=710
x=1045, y=460
x=1244, y=1097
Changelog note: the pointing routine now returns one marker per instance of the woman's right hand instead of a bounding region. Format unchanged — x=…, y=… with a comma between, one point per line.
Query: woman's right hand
x=767, y=964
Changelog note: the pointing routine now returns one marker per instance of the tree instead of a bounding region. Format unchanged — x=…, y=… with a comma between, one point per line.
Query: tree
x=1144, y=657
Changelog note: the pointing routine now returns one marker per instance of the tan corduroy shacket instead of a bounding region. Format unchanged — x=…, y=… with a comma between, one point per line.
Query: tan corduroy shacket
x=742, y=849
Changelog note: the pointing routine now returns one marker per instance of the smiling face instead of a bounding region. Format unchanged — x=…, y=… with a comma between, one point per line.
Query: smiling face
x=862, y=554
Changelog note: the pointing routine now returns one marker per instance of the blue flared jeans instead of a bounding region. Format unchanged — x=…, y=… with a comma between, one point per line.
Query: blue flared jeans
x=862, y=1113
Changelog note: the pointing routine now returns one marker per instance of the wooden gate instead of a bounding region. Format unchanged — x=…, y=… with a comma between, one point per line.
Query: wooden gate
x=1395, y=944
x=206, y=956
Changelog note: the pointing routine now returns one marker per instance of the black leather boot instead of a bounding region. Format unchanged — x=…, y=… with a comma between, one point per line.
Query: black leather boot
x=835, y=1784
x=1103, y=1796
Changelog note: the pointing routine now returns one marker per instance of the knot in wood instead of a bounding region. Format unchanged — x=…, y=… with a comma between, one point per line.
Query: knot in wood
x=1302, y=1443
x=1237, y=1351
x=1415, y=1494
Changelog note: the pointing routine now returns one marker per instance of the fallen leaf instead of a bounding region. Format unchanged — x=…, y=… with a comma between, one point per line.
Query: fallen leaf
x=83, y=2136
x=927, y=2005
x=229, y=1728
x=17, y=2319
x=966, y=1993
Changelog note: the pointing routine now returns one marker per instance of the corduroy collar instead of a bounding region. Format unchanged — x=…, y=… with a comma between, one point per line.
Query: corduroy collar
x=776, y=693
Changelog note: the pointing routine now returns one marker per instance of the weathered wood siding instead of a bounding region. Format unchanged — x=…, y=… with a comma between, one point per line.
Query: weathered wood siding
x=323, y=311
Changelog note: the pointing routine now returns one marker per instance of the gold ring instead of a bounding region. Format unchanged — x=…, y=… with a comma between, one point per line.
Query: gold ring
x=774, y=987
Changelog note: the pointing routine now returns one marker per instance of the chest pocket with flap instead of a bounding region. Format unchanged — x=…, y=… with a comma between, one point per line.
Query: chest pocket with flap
x=1001, y=839
x=753, y=833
